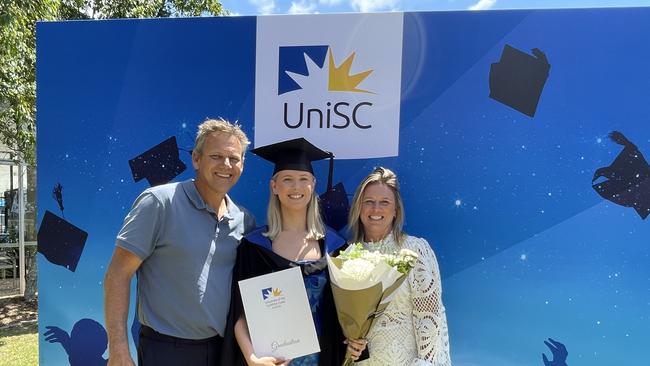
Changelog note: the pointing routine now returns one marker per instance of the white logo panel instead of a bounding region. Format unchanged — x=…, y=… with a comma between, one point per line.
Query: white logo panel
x=333, y=79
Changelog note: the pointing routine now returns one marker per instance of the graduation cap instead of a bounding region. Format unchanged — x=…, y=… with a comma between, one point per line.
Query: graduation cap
x=518, y=78
x=627, y=179
x=60, y=242
x=297, y=154
x=158, y=165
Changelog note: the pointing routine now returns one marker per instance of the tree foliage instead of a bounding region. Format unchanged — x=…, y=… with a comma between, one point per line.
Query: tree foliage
x=17, y=77
x=110, y=9
x=18, y=56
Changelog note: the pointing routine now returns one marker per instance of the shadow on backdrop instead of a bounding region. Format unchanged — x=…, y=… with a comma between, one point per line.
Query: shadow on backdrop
x=135, y=329
x=85, y=345
x=559, y=352
x=627, y=182
x=158, y=165
x=59, y=241
x=518, y=78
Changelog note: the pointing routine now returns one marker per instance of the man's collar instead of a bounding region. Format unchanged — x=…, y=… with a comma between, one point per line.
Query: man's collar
x=195, y=197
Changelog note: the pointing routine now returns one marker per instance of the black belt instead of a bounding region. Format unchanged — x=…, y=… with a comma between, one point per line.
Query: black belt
x=150, y=333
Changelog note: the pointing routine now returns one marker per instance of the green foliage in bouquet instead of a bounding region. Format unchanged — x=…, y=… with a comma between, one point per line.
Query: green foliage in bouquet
x=402, y=260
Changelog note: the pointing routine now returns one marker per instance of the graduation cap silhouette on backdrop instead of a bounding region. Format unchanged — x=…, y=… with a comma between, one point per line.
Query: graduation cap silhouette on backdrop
x=297, y=154
x=334, y=203
x=158, y=165
x=627, y=178
x=57, y=194
x=518, y=78
x=59, y=241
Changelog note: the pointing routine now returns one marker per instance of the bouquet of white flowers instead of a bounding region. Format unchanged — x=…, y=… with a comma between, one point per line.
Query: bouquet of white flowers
x=363, y=283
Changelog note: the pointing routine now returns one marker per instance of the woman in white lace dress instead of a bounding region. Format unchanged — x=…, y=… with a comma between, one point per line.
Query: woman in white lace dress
x=413, y=329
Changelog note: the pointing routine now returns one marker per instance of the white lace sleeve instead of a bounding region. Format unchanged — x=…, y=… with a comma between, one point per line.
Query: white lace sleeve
x=429, y=318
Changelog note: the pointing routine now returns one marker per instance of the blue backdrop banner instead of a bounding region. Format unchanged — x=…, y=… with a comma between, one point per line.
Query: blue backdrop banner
x=519, y=138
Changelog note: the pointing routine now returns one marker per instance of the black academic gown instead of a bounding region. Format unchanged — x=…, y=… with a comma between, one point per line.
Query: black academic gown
x=255, y=257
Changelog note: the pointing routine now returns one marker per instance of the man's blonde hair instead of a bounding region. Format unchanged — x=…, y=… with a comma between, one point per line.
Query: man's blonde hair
x=220, y=125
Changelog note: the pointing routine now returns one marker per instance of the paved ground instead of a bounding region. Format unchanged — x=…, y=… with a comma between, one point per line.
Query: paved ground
x=14, y=310
x=8, y=287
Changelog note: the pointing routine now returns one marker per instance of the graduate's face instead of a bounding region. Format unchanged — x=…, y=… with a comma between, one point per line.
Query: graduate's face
x=219, y=165
x=294, y=188
x=378, y=211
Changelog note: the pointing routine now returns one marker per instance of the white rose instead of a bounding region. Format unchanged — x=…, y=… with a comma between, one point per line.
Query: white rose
x=359, y=268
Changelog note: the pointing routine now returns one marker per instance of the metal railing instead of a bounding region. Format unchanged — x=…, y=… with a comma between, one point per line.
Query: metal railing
x=20, y=243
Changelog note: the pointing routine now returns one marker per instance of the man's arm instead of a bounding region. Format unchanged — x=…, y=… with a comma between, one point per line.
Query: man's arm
x=117, y=291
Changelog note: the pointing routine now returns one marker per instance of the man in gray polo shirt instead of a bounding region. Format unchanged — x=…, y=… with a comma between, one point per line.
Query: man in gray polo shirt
x=181, y=239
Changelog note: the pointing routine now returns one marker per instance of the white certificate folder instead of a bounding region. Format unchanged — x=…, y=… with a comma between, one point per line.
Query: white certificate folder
x=278, y=314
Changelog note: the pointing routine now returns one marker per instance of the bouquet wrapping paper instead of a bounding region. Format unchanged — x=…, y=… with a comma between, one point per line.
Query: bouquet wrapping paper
x=363, y=284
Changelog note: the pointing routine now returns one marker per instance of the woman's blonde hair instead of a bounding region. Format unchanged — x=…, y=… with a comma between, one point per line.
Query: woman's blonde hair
x=386, y=177
x=315, y=225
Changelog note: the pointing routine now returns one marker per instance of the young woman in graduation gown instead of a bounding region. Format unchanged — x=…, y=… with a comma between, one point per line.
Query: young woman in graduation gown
x=295, y=236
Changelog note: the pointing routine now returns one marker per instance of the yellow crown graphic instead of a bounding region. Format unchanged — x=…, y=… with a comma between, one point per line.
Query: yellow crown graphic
x=340, y=78
x=277, y=292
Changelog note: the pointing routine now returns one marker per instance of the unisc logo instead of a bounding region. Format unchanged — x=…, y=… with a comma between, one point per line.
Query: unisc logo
x=314, y=70
x=273, y=297
x=270, y=292
x=337, y=86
